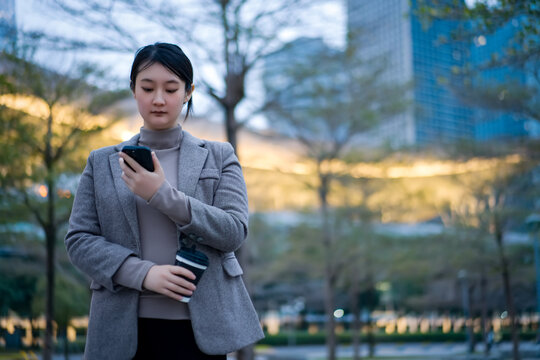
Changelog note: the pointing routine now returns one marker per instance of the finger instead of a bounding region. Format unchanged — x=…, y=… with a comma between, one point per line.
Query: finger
x=182, y=271
x=172, y=294
x=131, y=162
x=180, y=280
x=125, y=168
x=129, y=181
x=179, y=289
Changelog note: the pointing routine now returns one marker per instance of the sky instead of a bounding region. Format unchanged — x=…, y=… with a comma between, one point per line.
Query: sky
x=37, y=15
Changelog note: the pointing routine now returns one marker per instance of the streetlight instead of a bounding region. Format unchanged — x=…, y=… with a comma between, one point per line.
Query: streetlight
x=533, y=224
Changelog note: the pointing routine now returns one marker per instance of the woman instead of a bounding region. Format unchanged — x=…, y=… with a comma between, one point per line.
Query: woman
x=127, y=224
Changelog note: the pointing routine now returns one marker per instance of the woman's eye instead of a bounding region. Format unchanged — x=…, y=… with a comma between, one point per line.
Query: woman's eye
x=171, y=91
x=146, y=89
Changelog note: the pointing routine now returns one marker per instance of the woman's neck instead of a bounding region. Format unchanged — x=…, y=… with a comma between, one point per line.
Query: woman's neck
x=161, y=139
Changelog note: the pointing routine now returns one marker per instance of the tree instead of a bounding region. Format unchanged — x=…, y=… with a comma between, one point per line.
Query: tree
x=17, y=290
x=45, y=119
x=324, y=99
x=71, y=300
x=518, y=21
x=361, y=252
x=494, y=203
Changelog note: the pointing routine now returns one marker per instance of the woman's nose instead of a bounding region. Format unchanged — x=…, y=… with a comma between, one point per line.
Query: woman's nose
x=158, y=98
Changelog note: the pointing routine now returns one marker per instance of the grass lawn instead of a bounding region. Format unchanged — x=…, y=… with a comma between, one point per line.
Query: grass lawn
x=20, y=355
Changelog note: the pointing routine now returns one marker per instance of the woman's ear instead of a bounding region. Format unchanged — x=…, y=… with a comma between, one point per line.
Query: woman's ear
x=189, y=93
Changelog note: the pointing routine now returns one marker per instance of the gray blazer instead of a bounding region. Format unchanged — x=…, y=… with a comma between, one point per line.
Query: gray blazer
x=103, y=232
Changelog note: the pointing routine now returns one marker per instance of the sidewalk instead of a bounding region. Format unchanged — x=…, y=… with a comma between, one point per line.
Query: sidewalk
x=424, y=351
x=432, y=351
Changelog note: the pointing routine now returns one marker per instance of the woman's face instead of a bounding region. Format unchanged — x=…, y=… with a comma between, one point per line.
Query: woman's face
x=160, y=95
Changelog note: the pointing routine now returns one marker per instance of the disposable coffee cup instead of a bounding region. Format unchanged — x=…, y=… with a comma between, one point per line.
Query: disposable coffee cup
x=193, y=260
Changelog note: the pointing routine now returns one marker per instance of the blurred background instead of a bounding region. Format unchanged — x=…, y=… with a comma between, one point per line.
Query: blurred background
x=391, y=151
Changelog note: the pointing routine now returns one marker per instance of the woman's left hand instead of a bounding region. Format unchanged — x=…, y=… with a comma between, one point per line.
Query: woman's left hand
x=139, y=180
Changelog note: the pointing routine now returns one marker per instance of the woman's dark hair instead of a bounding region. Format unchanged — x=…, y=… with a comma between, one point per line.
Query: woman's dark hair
x=168, y=55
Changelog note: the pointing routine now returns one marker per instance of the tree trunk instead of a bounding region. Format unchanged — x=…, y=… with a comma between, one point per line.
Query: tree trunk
x=49, y=306
x=357, y=322
x=505, y=273
x=370, y=336
x=470, y=327
x=370, y=299
x=50, y=239
x=66, y=344
x=483, y=310
x=231, y=127
x=329, y=302
x=329, y=273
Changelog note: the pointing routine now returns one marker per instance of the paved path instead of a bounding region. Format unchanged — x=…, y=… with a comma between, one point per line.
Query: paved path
x=424, y=351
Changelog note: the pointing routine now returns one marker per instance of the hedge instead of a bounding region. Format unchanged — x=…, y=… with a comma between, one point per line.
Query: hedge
x=304, y=338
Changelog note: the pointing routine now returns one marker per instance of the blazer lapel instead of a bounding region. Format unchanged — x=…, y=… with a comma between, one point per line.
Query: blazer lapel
x=190, y=163
x=125, y=196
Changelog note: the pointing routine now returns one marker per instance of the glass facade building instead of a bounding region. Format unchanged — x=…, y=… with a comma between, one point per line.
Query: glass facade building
x=288, y=87
x=440, y=117
x=498, y=124
x=8, y=23
x=421, y=56
x=377, y=29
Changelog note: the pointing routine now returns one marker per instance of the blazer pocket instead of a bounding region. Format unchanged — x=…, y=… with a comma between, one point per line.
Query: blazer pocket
x=209, y=174
x=207, y=185
x=231, y=265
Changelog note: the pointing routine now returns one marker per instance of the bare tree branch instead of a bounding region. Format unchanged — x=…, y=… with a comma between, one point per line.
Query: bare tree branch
x=33, y=209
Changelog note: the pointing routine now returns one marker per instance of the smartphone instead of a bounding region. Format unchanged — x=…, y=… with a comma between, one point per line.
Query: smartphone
x=141, y=154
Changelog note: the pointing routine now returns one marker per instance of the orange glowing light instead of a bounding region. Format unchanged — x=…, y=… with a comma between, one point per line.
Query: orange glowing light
x=43, y=191
x=64, y=193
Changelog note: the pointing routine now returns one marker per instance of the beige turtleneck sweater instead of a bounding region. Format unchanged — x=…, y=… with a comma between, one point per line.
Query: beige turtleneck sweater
x=157, y=226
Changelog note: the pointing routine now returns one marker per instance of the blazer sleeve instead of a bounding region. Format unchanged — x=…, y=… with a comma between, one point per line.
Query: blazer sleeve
x=223, y=224
x=87, y=249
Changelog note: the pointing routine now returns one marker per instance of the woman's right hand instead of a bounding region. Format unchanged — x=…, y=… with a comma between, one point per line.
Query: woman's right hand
x=169, y=280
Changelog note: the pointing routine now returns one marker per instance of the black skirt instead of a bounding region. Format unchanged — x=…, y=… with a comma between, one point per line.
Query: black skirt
x=168, y=339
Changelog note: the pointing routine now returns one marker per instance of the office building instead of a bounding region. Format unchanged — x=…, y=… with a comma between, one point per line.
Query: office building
x=290, y=76
x=499, y=124
x=424, y=58
x=8, y=24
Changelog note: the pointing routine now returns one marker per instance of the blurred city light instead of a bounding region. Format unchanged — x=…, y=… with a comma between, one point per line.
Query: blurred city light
x=480, y=40
x=66, y=194
x=43, y=191
x=271, y=320
x=71, y=333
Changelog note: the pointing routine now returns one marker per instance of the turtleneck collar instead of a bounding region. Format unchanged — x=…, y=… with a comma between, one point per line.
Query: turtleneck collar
x=161, y=139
